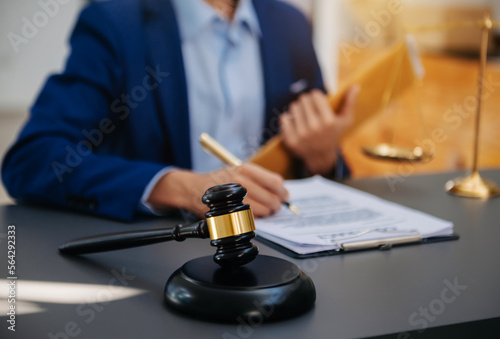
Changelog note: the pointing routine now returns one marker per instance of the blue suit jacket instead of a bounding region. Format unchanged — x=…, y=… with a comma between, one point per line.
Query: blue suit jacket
x=118, y=113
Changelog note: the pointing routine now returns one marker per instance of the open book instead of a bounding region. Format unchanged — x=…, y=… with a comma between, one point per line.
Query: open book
x=335, y=217
x=383, y=79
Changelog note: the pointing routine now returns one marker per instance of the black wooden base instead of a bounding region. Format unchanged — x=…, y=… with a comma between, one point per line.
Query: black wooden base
x=266, y=289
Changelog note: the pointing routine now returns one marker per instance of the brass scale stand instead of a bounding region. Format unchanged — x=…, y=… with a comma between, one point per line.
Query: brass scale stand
x=473, y=185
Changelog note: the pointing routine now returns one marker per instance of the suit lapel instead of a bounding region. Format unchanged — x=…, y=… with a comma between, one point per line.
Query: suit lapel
x=276, y=63
x=163, y=50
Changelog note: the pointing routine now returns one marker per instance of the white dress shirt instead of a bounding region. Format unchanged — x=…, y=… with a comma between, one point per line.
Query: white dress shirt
x=224, y=78
x=222, y=61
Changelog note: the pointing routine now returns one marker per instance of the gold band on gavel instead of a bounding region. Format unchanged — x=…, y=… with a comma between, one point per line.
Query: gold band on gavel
x=227, y=225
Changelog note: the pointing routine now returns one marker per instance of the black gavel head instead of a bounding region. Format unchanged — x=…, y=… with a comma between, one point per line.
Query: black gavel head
x=230, y=224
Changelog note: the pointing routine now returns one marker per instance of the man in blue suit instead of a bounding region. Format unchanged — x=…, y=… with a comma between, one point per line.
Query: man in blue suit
x=115, y=134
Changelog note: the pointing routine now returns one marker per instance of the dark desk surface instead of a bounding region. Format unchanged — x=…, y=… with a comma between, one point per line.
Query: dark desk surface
x=360, y=294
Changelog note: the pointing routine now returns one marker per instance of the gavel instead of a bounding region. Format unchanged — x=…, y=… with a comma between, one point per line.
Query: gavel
x=229, y=223
x=236, y=283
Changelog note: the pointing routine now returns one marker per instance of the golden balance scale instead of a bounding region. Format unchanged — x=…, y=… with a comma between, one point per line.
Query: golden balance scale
x=473, y=185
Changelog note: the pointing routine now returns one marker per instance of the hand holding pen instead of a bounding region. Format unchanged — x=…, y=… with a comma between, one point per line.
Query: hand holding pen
x=180, y=188
x=214, y=148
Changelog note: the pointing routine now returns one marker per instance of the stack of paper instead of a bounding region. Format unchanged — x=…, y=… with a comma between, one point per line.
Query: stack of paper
x=333, y=215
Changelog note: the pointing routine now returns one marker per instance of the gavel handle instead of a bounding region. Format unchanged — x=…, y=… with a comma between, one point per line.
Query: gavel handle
x=118, y=241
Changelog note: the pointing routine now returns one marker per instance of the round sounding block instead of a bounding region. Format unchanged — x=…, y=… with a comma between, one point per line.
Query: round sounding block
x=266, y=289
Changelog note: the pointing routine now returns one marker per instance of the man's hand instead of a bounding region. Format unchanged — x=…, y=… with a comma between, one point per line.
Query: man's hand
x=184, y=189
x=311, y=130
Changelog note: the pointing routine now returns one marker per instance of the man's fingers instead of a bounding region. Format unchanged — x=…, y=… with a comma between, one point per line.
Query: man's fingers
x=265, y=179
x=262, y=196
x=309, y=111
x=259, y=210
x=288, y=132
x=347, y=109
x=323, y=107
x=183, y=189
x=298, y=120
x=286, y=124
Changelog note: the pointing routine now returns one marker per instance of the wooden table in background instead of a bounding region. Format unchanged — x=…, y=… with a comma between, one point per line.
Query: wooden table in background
x=445, y=125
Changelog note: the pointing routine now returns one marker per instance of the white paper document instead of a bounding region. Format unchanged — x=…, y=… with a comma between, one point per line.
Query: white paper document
x=333, y=214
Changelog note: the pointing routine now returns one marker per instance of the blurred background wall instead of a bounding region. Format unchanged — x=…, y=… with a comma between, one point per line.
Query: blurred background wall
x=25, y=64
x=33, y=45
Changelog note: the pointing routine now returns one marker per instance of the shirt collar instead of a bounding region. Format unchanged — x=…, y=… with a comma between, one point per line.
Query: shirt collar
x=194, y=15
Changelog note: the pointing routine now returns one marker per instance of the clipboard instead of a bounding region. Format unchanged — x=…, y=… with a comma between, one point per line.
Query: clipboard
x=292, y=254
x=385, y=78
